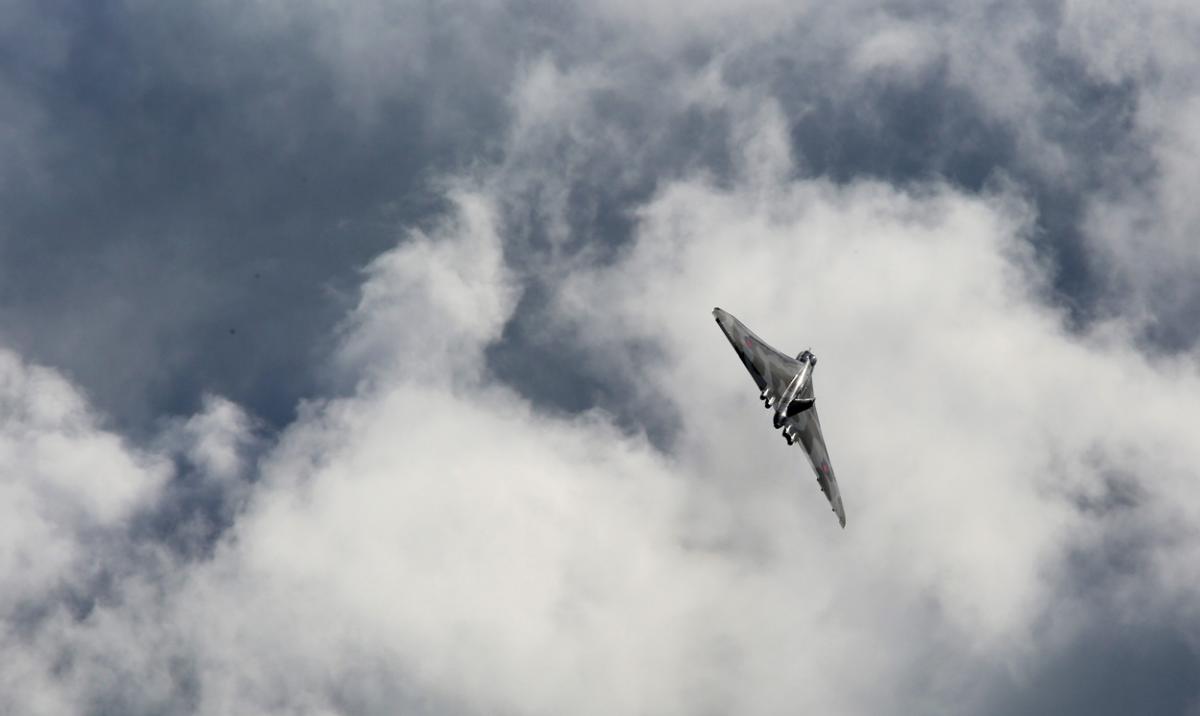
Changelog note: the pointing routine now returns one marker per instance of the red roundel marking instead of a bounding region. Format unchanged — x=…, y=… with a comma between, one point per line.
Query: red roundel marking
x=749, y=343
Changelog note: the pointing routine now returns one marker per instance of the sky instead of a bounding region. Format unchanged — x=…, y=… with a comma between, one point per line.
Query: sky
x=357, y=357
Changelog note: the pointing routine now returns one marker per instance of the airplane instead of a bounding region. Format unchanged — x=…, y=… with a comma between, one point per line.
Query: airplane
x=787, y=391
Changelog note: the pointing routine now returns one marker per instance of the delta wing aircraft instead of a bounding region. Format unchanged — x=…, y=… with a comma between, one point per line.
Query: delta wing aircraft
x=787, y=391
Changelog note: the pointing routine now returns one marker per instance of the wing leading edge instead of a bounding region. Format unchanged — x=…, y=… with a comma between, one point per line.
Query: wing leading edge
x=772, y=371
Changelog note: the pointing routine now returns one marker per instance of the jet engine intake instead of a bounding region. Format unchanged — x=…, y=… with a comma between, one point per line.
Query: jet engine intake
x=799, y=405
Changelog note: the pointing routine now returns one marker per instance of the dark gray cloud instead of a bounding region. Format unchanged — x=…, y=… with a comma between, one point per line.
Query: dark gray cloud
x=1130, y=650
x=1111, y=670
x=199, y=193
x=200, y=184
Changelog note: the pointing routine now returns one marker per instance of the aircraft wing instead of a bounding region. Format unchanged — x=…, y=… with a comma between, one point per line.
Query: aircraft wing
x=807, y=427
x=769, y=368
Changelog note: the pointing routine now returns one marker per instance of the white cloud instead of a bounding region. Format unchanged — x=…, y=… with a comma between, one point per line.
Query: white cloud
x=63, y=479
x=67, y=488
x=430, y=306
x=217, y=440
x=438, y=537
x=435, y=540
x=900, y=49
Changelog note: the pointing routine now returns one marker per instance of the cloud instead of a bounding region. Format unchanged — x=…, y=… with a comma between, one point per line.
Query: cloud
x=223, y=197
x=69, y=490
x=429, y=306
x=65, y=480
x=1141, y=223
x=436, y=541
x=516, y=469
x=473, y=546
x=189, y=192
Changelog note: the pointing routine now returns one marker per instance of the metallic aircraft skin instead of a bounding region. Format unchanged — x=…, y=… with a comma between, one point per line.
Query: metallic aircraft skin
x=786, y=389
